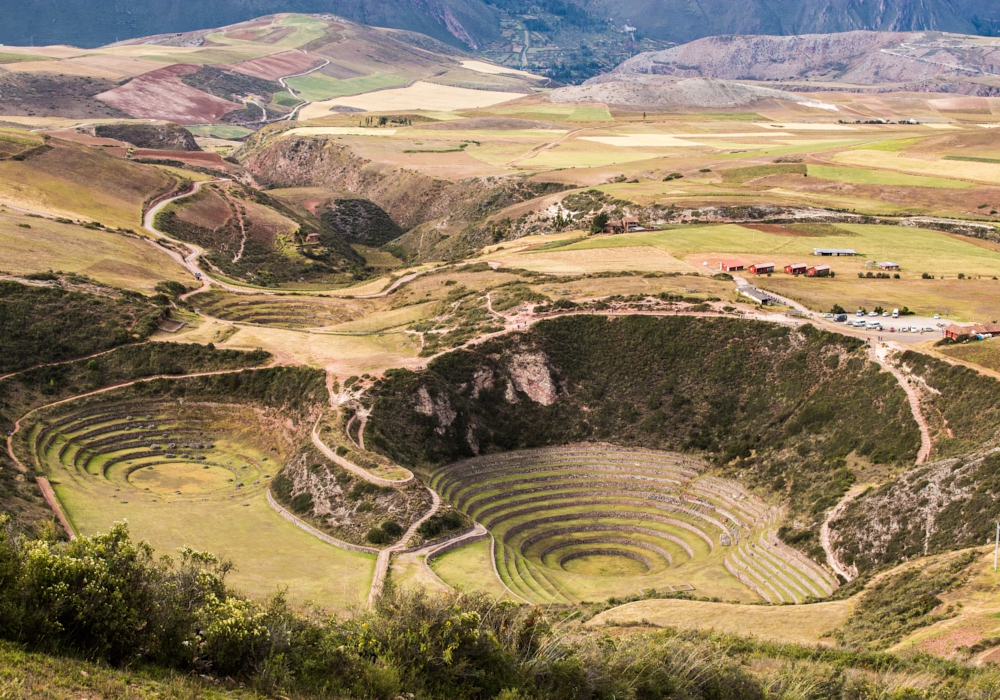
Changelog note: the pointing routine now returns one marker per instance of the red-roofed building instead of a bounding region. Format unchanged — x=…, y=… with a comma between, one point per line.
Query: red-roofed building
x=732, y=265
x=762, y=268
x=989, y=330
x=818, y=271
x=796, y=269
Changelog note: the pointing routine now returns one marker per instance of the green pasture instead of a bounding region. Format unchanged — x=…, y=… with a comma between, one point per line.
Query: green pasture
x=317, y=87
x=469, y=568
x=7, y=57
x=916, y=250
x=220, y=131
x=559, y=113
x=860, y=176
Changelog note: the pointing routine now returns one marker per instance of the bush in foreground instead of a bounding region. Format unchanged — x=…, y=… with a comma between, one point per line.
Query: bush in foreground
x=108, y=599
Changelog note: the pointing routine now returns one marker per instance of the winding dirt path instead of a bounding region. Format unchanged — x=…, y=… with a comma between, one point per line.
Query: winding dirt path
x=385, y=556
x=824, y=534
x=880, y=354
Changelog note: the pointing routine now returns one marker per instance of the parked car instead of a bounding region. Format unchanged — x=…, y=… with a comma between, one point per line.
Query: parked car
x=914, y=329
x=885, y=314
x=826, y=315
x=937, y=316
x=928, y=329
x=892, y=329
x=859, y=324
x=840, y=318
x=873, y=313
x=895, y=313
x=874, y=326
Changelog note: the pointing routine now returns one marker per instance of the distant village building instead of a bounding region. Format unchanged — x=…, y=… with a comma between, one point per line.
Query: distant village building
x=757, y=295
x=732, y=265
x=888, y=266
x=312, y=238
x=630, y=223
x=834, y=252
x=762, y=268
x=796, y=269
x=818, y=271
x=986, y=330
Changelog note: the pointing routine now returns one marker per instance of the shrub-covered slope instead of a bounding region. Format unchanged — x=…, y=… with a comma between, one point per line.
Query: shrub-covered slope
x=167, y=137
x=944, y=505
x=777, y=407
x=52, y=324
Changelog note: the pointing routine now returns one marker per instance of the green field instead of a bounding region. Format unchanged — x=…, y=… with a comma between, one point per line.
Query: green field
x=317, y=87
x=860, y=176
x=7, y=57
x=203, y=486
x=220, y=131
x=916, y=250
x=469, y=569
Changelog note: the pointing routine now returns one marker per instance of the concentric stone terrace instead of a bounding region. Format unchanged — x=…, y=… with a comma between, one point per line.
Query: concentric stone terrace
x=589, y=522
x=280, y=311
x=159, y=449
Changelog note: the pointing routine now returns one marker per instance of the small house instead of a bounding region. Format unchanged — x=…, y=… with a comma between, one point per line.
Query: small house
x=796, y=269
x=732, y=265
x=986, y=330
x=630, y=223
x=818, y=271
x=762, y=268
x=888, y=266
x=312, y=238
x=834, y=252
x=614, y=226
x=757, y=295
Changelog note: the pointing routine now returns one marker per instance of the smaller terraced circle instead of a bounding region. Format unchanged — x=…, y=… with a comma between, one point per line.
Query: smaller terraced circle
x=180, y=477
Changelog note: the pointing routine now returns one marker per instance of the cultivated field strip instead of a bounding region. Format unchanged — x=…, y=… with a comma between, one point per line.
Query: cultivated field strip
x=582, y=522
x=281, y=311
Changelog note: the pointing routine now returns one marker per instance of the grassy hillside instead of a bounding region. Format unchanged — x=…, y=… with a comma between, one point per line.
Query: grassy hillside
x=69, y=179
x=257, y=238
x=778, y=408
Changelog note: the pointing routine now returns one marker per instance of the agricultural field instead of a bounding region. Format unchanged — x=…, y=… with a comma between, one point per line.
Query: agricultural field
x=190, y=474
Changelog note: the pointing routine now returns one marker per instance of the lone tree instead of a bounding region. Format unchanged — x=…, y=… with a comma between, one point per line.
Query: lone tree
x=599, y=222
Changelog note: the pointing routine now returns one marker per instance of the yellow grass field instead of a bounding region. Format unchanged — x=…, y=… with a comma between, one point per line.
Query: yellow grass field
x=797, y=624
x=579, y=262
x=336, y=131
x=981, y=172
x=111, y=258
x=419, y=96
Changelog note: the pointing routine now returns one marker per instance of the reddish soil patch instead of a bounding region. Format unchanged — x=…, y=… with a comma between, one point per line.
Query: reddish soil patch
x=278, y=65
x=195, y=157
x=160, y=94
x=778, y=230
x=110, y=145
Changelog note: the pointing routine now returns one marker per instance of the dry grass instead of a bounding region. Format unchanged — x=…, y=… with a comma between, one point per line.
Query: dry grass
x=111, y=258
x=419, y=96
x=798, y=624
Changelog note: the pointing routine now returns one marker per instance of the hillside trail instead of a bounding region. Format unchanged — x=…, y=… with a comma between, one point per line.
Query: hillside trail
x=57, y=362
x=190, y=261
x=848, y=573
x=385, y=556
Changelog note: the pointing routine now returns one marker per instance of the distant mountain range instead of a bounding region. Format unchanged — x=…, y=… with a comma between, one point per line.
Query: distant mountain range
x=861, y=61
x=568, y=39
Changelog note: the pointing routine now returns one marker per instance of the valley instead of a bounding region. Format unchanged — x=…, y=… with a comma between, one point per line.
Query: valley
x=344, y=361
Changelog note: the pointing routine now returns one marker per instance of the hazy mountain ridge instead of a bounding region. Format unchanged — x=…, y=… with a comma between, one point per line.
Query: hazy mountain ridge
x=914, y=61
